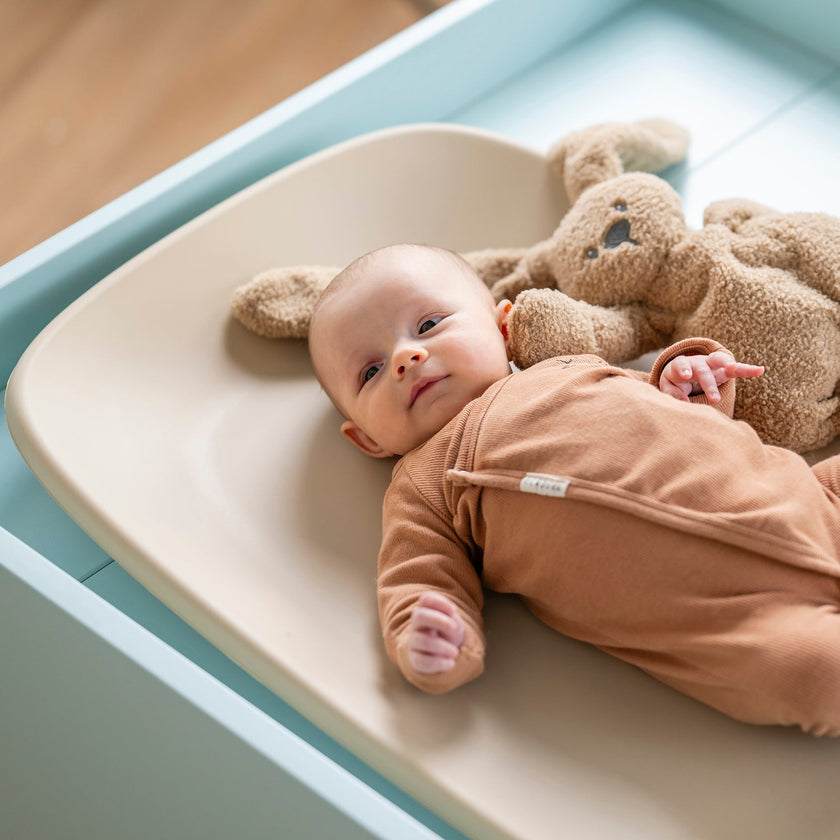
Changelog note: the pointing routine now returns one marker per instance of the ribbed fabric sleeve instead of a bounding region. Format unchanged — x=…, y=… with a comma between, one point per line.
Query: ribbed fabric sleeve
x=421, y=552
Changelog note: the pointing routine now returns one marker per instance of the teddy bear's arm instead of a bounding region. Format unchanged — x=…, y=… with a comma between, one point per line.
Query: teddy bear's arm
x=494, y=264
x=544, y=323
x=508, y=271
x=732, y=212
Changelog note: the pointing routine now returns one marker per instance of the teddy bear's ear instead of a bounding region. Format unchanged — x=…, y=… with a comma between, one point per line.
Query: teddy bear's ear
x=605, y=151
x=278, y=303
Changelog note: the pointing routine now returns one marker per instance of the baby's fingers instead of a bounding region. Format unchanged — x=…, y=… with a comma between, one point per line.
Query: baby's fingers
x=429, y=653
x=672, y=390
x=678, y=370
x=438, y=609
x=424, y=618
x=675, y=379
x=424, y=663
x=705, y=378
x=432, y=645
x=428, y=616
x=684, y=375
x=739, y=370
x=437, y=601
x=725, y=367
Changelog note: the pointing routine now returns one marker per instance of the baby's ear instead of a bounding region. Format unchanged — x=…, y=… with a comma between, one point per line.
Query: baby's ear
x=278, y=303
x=596, y=154
x=362, y=440
x=502, y=313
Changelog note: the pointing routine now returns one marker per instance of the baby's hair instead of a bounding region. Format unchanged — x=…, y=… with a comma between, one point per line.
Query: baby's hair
x=356, y=268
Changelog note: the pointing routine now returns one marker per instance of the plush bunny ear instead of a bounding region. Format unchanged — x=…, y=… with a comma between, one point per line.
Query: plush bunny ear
x=278, y=303
x=605, y=151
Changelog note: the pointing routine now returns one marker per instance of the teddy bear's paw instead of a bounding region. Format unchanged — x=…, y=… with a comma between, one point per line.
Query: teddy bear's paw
x=278, y=303
x=544, y=323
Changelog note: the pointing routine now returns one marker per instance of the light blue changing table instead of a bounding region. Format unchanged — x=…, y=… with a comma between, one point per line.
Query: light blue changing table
x=116, y=719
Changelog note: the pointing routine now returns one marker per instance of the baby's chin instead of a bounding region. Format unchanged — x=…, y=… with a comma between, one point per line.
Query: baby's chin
x=435, y=421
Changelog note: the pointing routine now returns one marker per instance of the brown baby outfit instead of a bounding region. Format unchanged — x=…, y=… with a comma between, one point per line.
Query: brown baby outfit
x=663, y=532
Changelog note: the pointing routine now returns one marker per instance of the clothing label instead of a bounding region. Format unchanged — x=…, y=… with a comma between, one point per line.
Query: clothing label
x=544, y=485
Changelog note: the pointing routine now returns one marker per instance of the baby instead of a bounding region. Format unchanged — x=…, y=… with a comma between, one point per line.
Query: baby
x=640, y=519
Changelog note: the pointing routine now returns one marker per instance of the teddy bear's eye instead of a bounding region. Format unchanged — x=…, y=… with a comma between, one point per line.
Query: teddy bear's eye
x=592, y=253
x=620, y=206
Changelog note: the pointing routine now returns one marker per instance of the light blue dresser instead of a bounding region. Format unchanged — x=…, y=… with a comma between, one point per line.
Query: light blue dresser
x=119, y=721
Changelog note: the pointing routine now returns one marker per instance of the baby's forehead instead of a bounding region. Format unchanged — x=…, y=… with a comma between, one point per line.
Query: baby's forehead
x=383, y=284
x=395, y=274
x=345, y=313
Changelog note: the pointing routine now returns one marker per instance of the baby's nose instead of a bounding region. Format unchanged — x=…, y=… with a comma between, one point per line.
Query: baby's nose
x=407, y=356
x=413, y=358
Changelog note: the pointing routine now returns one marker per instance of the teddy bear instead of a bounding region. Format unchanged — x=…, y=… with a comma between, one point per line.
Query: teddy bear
x=623, y=275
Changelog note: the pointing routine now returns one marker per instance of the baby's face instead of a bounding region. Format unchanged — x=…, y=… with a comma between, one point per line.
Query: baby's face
x=405, y=346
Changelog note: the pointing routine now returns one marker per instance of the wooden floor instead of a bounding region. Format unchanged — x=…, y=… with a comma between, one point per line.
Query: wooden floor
x=96, y=96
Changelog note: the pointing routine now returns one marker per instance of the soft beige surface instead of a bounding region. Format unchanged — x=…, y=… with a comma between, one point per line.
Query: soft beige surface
x=208, y=463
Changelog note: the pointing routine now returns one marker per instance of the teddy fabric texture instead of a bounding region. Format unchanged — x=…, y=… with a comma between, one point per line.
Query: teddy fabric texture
x=663, y=532
x=765, y=284
x=623, y=275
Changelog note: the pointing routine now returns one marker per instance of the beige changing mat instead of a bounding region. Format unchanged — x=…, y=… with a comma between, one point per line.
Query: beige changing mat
x=209, y=464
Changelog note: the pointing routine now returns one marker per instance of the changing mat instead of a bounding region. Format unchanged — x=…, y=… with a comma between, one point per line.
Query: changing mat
x=208, y=463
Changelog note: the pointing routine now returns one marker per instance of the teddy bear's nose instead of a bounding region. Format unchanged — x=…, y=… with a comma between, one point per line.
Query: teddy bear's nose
x=618, y=233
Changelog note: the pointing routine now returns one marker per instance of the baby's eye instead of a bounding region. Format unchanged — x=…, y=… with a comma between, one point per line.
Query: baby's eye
x=428, y=324
x=370, y=372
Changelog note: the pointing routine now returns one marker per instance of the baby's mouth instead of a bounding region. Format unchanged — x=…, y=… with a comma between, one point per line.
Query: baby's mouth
x=421, y=386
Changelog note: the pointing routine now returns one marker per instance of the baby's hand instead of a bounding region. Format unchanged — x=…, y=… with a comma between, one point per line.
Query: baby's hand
x=686, y=375
x=435, y=634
